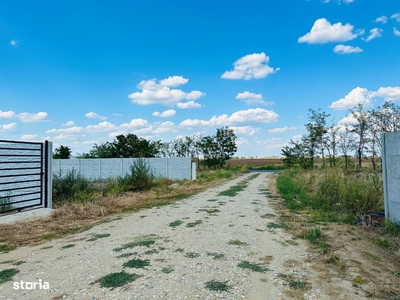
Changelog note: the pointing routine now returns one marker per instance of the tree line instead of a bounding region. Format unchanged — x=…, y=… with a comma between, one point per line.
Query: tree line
x=360, y=134
x=210, y=151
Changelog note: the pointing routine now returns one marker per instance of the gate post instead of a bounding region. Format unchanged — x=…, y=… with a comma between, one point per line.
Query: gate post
x=48, y=179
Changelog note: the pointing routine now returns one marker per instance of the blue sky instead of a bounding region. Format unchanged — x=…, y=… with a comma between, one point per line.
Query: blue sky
x=80, y=72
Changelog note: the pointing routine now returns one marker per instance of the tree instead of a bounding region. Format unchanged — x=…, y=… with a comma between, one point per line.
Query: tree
x=62, y=152
x=218, y=148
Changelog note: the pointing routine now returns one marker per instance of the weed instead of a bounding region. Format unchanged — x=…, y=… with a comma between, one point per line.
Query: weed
x=7, y=275
x=136, y=263
x=391, y=227
x=217, y=286
x=192, y=224
x=212, y=200
x=144, y=241
x=46, y=247
x=141, y=177
x=265, y=216
x=69, y=186
x=18, y=262
x=98, y=236
x=253, y=267
x=6, y=248
x=68, y=246
x=175, y=223
x=266, y=259
x=210, y=211
x=180, y=250
x=237, y=243
x=192, y=255
x=314, y=235
x=152, y=251
x=114, y=280
x=167, y=270
x=126, y=255
x=297, y=285
x=358, y=280
x=382, y=242
x=5, y=202
x=233, y=191
x=219, y=256
x=397, y=274
x=272, y=225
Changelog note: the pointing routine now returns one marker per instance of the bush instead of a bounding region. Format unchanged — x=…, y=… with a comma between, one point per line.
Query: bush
x=141, y=177
x=69, y=186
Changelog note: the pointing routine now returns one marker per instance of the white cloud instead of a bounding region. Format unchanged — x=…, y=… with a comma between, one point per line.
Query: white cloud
x=373, y=33
x=14, y=43
x=29, y=137
x=388, y=93
x=339, y=1
x=165, y=127
x=161, y=93
x=396, y=32
x=8, y=127
x=245, y=130
x=250, y=66
x=93, y=115
x=396, y=16
x=382, y=19
x=33, y=118
x=188, y=104
x=344, y=49
x=355, y=97
x=25, y=117
x=250, y=116
x=174, y=81
x=281, y=130
x=323, y=32
x=165, y=114
x=274, y=143
x=69, y=123
x=252, y=98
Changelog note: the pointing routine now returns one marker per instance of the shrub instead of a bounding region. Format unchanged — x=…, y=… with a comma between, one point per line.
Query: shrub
x=67, y=187
x=141, y=177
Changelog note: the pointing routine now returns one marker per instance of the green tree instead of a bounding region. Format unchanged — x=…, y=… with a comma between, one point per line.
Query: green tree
x=62, y=152
x=218, y=148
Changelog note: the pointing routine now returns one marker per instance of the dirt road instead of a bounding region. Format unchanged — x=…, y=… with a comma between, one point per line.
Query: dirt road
x=214, y=245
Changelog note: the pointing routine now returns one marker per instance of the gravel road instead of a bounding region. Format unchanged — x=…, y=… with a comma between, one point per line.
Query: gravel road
x=182, y=245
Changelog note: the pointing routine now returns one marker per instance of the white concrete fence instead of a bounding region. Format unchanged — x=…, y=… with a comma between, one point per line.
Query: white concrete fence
x=104, y=168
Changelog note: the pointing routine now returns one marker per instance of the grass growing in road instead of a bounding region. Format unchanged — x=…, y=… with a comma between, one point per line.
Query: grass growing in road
x=144, y=241
x=167, y=270
x=68, y=246
x=253, y=267
x=217, y=286
x=114, y=280
x=237, y=243
x=137, y=263
x=195, y=223
x=7, y=275
x=6, y=248
x=175, y=223
x=192, y=255
x=98, y=236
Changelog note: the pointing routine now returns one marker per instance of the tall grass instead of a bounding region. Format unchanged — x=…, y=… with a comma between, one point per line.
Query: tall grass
x=141, y=177
x=334, y=193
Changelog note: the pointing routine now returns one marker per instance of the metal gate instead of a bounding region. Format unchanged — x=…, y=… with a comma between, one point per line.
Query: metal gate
x=23, y=175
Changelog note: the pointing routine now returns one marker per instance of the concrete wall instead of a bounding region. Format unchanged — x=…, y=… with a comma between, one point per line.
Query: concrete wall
x=391, y=174
x=104, y=168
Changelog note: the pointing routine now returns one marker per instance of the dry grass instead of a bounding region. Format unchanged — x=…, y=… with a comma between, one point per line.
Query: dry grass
x=70, y=218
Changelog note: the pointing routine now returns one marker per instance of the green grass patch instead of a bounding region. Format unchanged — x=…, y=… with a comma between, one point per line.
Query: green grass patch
x=217, y=286
x=233, y=191
x=68, y=246
x=193, y=224
x=237, y=243
x=7, y=275
x=390, y=227
x=382, y=242
x=314, y=235
x=253, y=267
x=114, y=280
x=272, y=225
x=98, y=236
x=175, y=223
x=137, y=263
x=167, y=270
x=210, y=211
x=143, y=241
x=298, y=284
x=126, y=255
x=192, y=255
x=6, y=248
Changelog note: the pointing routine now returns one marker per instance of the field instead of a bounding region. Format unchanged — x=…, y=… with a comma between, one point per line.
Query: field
x=254, y=162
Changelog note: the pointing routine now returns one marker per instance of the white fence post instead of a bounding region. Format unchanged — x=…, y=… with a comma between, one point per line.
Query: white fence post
x=49, y=172
x=194, y=171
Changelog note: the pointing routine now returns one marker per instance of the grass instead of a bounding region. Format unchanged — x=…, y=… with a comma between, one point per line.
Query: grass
x=237, y=243
x=273, y=225
x=114, y=280
x=137, y=263
x=192, y=255
x=175, y=223
x=193, y=224
x=68, y=246
x=217, y=286
x=210, y=211
x=382, y=242
x=126, y=255
x=7, y=275
x=253, y=267
x=6, y=248
x=98, y=236
x=167, y=270
x=298, y=284
x=144, y=241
